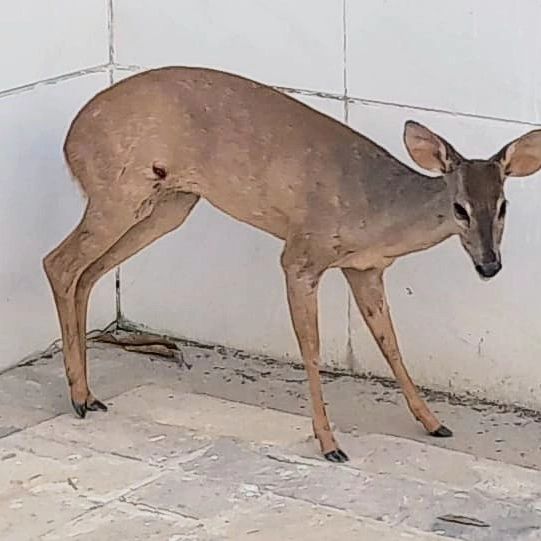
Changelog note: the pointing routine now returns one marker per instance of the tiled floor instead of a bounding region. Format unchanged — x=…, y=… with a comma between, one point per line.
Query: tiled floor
x=192, y=454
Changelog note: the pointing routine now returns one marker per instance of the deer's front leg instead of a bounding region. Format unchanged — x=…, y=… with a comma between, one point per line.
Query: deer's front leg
x=369, y=292
x=302, y=297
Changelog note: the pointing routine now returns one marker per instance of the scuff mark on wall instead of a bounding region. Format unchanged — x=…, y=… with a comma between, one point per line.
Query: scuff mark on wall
x=479, y=346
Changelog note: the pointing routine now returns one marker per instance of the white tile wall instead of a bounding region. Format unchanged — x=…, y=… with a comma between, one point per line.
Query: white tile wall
x=40, y=204
x=458, y=332
x=294, y=44
x=217, y=280
x=477, y=57
x=41, y=40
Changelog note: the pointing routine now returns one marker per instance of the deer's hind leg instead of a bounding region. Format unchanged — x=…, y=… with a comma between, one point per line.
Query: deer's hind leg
x=167, y=215
x=101, y=241
x=100, y=227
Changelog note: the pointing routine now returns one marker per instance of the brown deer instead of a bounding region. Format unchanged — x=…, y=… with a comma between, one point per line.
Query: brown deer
x=146, y=149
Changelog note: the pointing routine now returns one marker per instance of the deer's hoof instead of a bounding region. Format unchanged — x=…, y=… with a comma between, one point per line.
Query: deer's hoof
x=442, y=432
x=336, y=456
x=93, y=405
x=96, y=405
x=80, y=409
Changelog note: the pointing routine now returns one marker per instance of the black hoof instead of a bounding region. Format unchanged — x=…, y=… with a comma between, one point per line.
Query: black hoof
x=441, y=432
x=96, y=405
x=80, y=409
x=336, y=456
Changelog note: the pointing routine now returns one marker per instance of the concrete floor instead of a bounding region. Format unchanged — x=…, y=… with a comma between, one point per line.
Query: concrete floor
x=223, y=450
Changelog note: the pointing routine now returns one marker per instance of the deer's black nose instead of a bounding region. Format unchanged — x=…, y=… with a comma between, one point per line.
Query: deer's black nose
x=488, y=270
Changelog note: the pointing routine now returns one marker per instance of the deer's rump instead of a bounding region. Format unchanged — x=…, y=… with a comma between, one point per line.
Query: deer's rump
x=253, y=152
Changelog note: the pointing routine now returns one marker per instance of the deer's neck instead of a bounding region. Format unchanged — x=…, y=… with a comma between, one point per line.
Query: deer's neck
x=418, y=215
x=402, y=213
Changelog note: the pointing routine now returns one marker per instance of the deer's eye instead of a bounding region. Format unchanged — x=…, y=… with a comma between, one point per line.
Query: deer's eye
x=503, y=210
x=461, y=213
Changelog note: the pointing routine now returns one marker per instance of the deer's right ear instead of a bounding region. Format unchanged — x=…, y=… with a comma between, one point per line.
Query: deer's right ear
x=428, y=150
x=521, y=157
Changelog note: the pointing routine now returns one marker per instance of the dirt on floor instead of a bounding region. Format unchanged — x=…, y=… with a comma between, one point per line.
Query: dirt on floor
x=356, y=405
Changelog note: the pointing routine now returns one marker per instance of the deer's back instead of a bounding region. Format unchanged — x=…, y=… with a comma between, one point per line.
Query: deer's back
x=253, y=152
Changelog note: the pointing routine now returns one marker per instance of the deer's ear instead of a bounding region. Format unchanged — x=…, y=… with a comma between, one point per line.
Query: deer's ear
x=521, y=157
x=428, y=150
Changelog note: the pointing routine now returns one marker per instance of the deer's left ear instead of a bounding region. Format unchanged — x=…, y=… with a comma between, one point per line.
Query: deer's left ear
x=521, y=157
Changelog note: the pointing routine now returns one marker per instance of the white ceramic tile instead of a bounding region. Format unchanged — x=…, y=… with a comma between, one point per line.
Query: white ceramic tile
x=217, y=280
x=296, y=44
x=120, y=74
x=476, y=57
x=44, y=39
x=40, y=205
x=458, y=332
x=332, y=108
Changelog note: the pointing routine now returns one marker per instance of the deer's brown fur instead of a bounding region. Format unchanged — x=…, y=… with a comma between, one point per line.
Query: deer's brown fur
x=146, y=149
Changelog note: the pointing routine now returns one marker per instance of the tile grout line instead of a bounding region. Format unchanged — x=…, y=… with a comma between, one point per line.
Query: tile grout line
x=345, y=74
x=111, y=33
x=381, y=103
x=100, y=68
x=118, y=297
x=350, y=359
x=288, y=90
x=370, y=101
x=111, y=71
x=97, y=504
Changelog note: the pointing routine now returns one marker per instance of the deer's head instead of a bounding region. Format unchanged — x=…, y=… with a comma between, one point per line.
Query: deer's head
x=476, y=187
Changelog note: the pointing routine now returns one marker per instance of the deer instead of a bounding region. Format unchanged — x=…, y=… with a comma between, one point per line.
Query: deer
x=148, y=148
